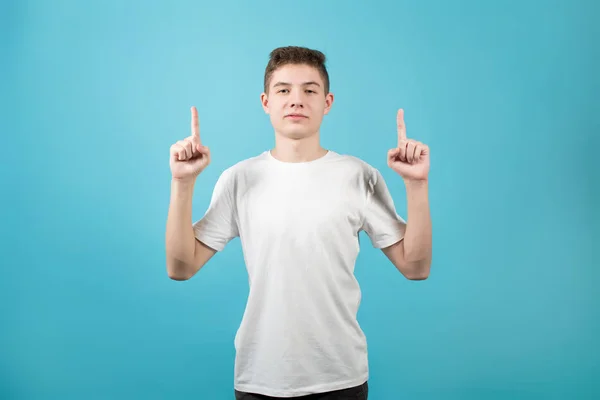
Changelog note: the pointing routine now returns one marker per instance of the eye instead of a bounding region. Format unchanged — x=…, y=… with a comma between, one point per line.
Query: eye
x=311, y=91
x=282, y=90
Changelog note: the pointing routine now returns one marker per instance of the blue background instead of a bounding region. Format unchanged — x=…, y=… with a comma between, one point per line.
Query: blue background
x=94, y=93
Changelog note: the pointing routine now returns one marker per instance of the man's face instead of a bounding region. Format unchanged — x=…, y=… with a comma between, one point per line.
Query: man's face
x=296, y=101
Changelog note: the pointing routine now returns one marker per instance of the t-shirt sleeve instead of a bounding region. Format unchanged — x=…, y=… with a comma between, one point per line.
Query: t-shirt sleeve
x=219, y=224
x=380, y=221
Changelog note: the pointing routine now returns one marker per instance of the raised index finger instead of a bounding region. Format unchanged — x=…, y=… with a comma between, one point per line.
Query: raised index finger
x=195, y=124
x=401, y=125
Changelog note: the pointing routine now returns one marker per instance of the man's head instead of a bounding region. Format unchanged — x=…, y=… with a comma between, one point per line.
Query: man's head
x=296, y=91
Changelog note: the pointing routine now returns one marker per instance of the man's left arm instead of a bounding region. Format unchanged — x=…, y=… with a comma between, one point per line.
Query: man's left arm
x=412, y=255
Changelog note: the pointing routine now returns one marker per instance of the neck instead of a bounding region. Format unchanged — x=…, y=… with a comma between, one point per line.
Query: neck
x=297, y=150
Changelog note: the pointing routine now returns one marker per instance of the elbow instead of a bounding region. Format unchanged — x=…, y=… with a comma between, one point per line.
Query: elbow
x=419, y=270
x=178, y=271
x=178, y=277
x=418, y=277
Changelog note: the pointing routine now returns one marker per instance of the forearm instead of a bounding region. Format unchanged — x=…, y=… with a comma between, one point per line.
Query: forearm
x=417, y=238
x=180, y=239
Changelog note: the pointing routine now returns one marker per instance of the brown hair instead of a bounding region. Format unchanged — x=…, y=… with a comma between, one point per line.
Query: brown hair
x=296, y=55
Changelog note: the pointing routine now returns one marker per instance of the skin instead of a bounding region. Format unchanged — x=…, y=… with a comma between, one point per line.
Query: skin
x=296, y=103
x=188, y=158
x=410, y=160
x=297, y=89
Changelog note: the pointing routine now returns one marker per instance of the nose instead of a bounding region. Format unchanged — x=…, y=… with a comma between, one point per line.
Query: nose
x=296, y=100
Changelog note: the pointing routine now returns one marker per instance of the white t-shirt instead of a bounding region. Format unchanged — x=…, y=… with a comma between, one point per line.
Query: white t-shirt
x=299, y=224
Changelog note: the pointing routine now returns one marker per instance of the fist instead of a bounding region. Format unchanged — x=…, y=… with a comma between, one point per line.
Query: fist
x=411, y=158
x=188, y=156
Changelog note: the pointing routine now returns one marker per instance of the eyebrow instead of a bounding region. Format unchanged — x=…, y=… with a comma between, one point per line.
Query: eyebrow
x=289, y=84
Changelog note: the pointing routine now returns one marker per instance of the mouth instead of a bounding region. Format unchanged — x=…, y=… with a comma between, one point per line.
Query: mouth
x=296, y=116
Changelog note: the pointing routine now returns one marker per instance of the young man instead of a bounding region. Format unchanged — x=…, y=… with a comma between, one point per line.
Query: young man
x=298, y=210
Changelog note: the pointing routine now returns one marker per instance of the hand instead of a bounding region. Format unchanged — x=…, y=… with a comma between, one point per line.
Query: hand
x=188, y=156
x=411, y=158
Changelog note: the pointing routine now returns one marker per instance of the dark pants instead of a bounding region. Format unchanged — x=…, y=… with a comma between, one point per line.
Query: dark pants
x=360, y=392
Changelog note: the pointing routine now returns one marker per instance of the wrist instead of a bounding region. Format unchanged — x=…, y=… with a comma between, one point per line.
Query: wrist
x=183, y=185
x=416, y=184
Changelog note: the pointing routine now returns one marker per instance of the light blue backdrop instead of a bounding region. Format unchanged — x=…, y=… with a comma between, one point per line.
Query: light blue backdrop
x=95, y=92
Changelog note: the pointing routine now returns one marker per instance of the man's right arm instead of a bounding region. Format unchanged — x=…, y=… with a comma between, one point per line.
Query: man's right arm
x=185, y=254
x=188, y=158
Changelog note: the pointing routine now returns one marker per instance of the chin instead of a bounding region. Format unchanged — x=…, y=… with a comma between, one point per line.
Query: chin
x=296, y=134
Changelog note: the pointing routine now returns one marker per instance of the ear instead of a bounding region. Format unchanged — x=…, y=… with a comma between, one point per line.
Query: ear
x=328, y=102
x=264, y=100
